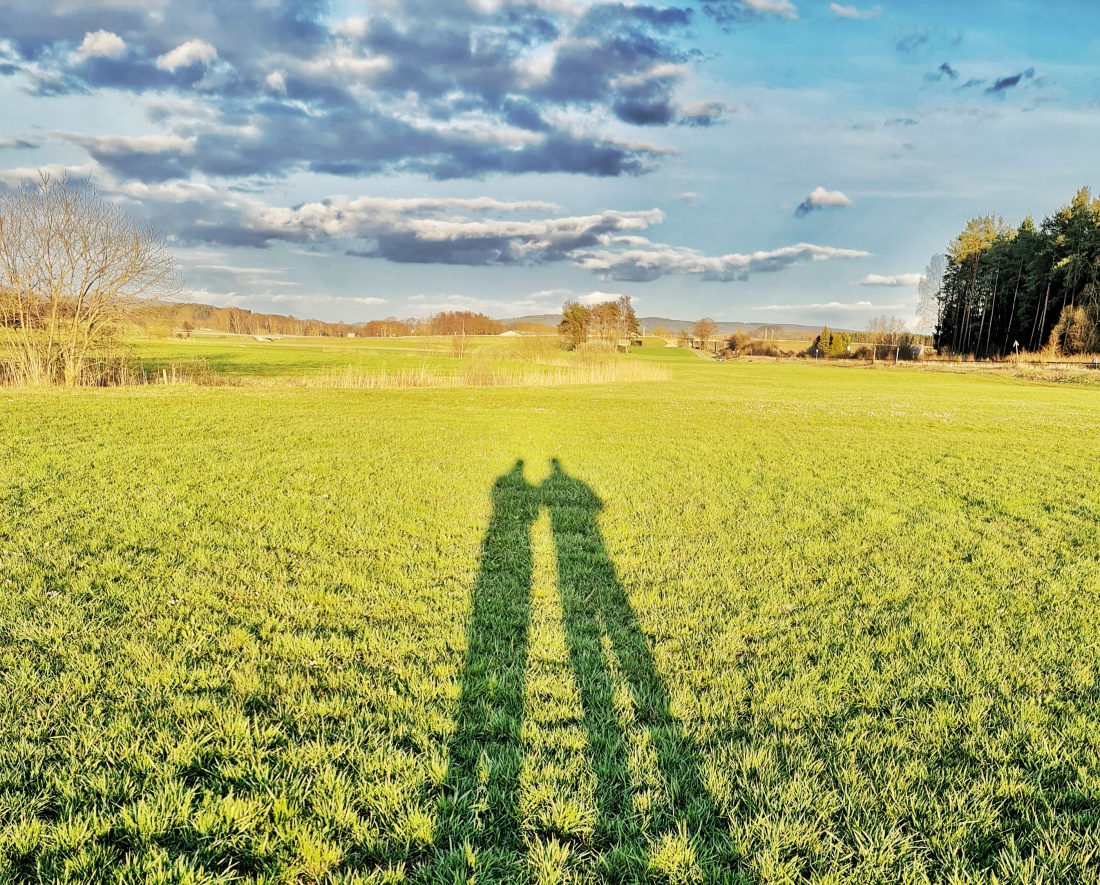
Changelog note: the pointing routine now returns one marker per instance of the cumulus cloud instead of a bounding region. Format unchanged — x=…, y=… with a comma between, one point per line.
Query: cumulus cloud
x=853, y=12
x=446, y=88
x=476, y=232
x=186, y=54
x=820, y=198
x=24, y=175
x=101, y=44
x=151, y=157
x=648, y=99
x=901, y=279
x=276, y=81
x=371, y=142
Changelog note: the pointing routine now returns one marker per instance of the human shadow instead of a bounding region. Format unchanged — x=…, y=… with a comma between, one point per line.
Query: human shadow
x=486, y=752
x=605, y=643
x=595, y=607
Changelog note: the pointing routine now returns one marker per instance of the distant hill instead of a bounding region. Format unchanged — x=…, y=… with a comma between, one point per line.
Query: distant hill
x=725, y=327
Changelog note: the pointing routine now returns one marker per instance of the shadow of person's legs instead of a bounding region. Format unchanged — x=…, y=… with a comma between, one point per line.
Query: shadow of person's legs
x=595, y=606
x=485, y=753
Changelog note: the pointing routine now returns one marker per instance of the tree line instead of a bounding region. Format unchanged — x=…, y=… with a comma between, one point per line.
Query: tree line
x=1001, y=288
x=187, y=317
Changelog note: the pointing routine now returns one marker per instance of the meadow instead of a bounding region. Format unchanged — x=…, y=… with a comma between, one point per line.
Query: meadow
x=751, y=623
x=380, y=363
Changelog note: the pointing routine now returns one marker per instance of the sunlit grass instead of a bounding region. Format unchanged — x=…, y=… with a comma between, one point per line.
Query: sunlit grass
x=235, y=630
x=379, y=363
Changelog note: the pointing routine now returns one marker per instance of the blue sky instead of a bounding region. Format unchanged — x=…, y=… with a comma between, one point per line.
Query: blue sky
x=754, y=160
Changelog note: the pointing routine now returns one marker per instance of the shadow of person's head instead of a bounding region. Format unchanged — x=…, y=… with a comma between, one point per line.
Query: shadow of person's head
x=561, y=492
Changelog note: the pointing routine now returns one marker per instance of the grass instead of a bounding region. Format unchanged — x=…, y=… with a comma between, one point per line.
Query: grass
x=763, y=623
x=444, y=361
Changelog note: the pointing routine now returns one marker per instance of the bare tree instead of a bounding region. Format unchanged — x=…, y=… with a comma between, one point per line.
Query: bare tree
x=890, y=333
x=73, y=269
x=928, y=292
x=703, y=330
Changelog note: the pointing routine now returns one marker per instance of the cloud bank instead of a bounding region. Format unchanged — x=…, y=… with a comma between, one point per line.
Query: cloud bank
x=477, y=232
x=444, y=88
x=642, y=261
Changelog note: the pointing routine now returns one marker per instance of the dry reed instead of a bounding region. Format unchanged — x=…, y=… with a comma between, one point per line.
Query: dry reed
x=479, y=373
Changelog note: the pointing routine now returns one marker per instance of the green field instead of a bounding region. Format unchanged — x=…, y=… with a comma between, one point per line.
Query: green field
x=440, y=361
x=242, y=357
x=756, y=623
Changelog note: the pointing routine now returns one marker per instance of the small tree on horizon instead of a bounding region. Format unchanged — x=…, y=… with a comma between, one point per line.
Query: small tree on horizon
x=891, y=333
x=829, y=343
x=573, y=327
x=628, y=320
x=704, y=329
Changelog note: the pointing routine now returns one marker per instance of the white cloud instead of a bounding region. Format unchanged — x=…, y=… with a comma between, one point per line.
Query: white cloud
x=458, y=231
x=276, y=81
x=28, y=175
x=688, y=197
x=829, y=305
x=232, y=268
x=820, y=198
x=589, y=298
x=901, y=279
x=109, y=145
x=101, y=44
x=601, y=297
x=263, y=300
x=557, y=294
x=561, y=7
x=782, y=8
x=648, y=261
x=324, y=299
x=499, y=307
x=187, y=54
x=423, y=219
x=853, y=12
x=345, y=64
x=356, y=27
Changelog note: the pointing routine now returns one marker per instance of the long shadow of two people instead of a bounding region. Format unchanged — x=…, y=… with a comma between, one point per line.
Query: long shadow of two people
x=486, y=749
